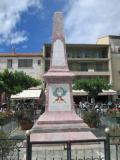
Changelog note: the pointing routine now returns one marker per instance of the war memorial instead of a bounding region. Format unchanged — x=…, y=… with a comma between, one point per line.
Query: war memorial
x=59, y=133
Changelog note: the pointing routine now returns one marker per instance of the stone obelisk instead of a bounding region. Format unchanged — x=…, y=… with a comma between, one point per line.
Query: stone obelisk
x=59, y=122
x=59, y=99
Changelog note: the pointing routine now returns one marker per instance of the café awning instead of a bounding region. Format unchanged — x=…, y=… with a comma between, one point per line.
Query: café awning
x=28, y=94
x=79, y=92
x=108, y=92
x=103, y=93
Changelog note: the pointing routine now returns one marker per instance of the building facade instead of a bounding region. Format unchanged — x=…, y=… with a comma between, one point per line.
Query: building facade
x=114, y=43
x=85, y=61
x=31, y=64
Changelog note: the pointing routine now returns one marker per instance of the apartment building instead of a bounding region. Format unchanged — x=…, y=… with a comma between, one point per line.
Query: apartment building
x=31, y=64
x=85, y=60
x=114, y=42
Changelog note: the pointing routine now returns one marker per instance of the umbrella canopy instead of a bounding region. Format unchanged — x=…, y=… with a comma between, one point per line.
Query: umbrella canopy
x=108, y=92
x=80, y=92
x=104, y=92
x=28, y=94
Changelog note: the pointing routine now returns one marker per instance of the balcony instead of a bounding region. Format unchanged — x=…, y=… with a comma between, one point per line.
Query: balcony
x=91, y=73
x=88, y=59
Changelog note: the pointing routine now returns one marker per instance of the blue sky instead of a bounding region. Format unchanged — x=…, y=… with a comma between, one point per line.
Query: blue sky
x=27, y=24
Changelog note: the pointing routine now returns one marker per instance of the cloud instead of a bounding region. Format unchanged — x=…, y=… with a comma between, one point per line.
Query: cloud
x=10, y=15
x=86, y=20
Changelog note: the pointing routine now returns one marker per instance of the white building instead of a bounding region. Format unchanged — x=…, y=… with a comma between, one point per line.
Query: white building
x=31, y=64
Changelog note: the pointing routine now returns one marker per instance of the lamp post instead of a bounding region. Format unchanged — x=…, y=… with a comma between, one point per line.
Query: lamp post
x=28, y=146
x=107, y=145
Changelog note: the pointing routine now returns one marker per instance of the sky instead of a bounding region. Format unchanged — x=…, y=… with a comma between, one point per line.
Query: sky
x=26, y=25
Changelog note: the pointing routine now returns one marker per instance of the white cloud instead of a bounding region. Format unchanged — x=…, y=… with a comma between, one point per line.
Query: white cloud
x=10, y=14
x=86, y=20
x=18, y=37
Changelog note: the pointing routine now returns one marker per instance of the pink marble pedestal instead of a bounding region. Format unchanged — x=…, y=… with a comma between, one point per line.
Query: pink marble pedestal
x=59, y=123
x=60, y=126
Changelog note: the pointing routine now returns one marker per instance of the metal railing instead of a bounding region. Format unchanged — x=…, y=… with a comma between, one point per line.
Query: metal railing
x=99, y=149
x=12, y=149
x=94, y=149
x=115, y=147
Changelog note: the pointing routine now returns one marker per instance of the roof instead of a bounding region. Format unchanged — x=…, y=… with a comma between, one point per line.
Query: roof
x=28, y=94
x=21, y=55
x=114, y=36
x=81, y=45
x=111, y=36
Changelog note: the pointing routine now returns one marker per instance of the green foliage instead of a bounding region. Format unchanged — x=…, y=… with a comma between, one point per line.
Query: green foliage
x=1, y=84
x=24, y=115
x=2, y=134
x=6, y=146
x=25, y=118
x=5, y=117
x=2, y=118
x=15, y=82
x=91, y=118
x=92, y=86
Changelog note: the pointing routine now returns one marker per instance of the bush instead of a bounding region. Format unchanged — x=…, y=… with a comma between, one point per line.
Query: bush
x=18, y=115
x=2, y=135
x=2, y=118
x=24, y=117
x=8, y=113
x=91, y=118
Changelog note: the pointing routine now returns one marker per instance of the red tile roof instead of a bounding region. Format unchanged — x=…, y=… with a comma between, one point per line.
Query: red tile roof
x=21, y=55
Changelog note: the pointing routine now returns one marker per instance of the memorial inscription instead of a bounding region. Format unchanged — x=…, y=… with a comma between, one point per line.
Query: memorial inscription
x=59, y=97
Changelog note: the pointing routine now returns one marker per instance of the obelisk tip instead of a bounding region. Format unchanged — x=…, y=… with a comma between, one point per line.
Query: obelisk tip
x=58, y=26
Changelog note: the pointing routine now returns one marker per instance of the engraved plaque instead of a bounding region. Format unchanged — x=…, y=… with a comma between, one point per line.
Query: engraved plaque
x=59, y=97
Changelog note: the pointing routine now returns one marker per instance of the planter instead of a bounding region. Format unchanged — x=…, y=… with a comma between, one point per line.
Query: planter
x=26, y=126
x=91, y=118
x=92, y=125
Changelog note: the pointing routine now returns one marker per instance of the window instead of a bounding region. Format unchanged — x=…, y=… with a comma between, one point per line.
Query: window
x=118, y=49
x=83, y=67
x=101, y=67
x=39, y=62
x=9, y=63
x=25, y=63
x=74, y=66
x=91, y=66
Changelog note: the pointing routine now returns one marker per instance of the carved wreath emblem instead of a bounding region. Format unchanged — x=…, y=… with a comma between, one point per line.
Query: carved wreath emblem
x=59, y=93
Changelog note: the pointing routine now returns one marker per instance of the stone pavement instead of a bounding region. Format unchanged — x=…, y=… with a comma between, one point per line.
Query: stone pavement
x=18, y=133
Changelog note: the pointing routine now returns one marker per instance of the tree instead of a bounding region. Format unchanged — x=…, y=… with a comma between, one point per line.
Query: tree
x=1, y=84
x=15, y=82
x=92, y=86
